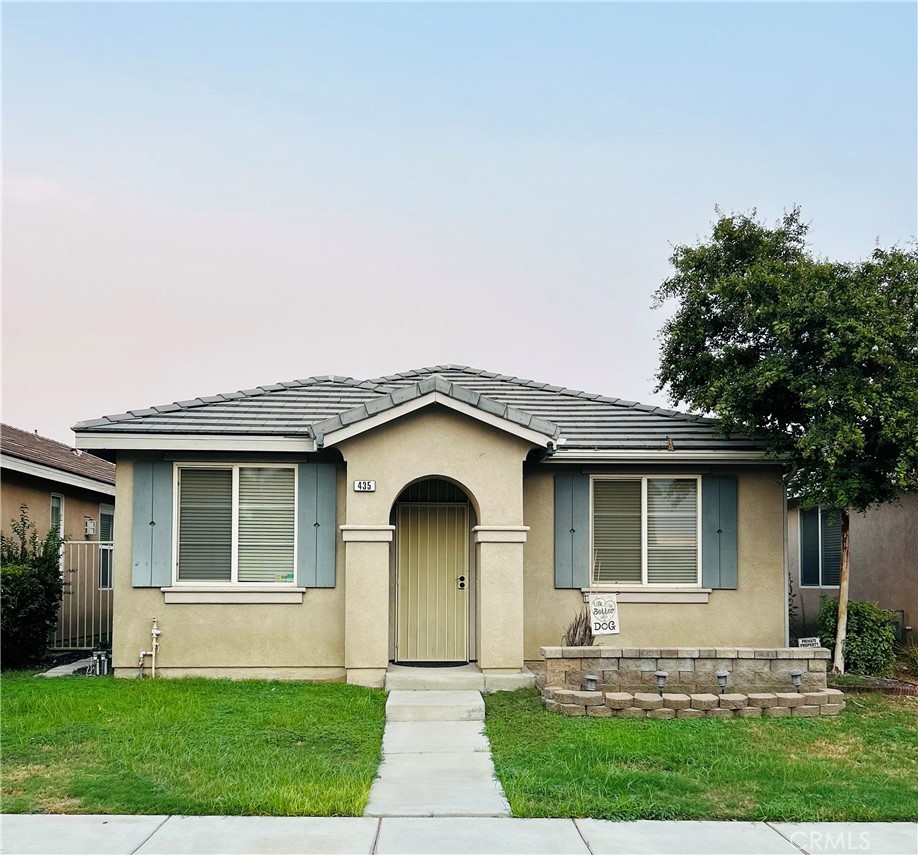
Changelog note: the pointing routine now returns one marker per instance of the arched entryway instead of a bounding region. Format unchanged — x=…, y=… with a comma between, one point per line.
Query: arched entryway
x=433, y=592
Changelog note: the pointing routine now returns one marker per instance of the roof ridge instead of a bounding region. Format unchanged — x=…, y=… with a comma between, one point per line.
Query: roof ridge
x=436, y=383
x=560, y=390
x=204, y=400
x=4, y=427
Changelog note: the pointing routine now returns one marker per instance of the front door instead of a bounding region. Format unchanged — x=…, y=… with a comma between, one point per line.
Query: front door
x=432, y=582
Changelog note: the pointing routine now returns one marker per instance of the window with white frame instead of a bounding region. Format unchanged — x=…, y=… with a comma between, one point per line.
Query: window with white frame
x=106, y=544
x=236, y=523
x=646, y=530
x=820, y=547
x=57, y=513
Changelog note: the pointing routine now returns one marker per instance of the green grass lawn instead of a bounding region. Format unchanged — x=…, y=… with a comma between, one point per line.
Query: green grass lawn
x=860, y=765
x=194, y=746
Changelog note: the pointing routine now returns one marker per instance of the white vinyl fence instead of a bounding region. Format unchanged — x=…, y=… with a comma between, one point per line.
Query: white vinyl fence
x=85, y=618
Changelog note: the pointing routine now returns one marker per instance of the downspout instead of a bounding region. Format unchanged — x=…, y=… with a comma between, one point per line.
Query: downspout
x=786, y=576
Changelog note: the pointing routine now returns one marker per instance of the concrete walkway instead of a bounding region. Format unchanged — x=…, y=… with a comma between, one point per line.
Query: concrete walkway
x=33, y=834
x=68, y=669
x=436, y=758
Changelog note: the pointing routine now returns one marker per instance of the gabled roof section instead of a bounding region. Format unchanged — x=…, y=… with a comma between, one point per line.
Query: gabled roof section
x=429, y=390
x=20, y=445
x=592, y=425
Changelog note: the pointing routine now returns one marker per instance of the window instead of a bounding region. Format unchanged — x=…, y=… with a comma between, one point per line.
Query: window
x=57, y=513
x=236, y=524
x=820, y=547
x=106, y=544
x=646, y=531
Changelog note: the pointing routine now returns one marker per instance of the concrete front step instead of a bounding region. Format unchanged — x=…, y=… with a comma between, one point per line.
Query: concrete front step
x=454, y=679
x=435, y=706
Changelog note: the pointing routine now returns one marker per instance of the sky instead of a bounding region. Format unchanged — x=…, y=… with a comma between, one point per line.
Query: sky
x=200, y=198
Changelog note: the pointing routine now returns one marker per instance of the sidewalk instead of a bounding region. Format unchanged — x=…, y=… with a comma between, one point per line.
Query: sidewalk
x=31, y=834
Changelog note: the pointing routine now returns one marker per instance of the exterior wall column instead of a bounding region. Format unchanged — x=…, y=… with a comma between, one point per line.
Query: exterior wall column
x=500, y=596
x=366, y=603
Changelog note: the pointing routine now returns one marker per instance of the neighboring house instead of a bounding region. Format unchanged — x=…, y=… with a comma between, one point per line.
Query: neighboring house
x=883, y=554
x=323, y=528
x=74, y=492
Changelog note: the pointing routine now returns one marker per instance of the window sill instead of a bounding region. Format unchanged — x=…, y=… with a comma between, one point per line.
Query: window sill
x=232, y=594
x=650, y=593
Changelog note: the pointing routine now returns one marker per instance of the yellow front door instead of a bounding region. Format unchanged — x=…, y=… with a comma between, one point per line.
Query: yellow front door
x=432, y=582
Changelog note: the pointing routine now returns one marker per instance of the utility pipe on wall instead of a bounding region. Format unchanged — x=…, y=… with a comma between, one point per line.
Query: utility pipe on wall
x=155, y=633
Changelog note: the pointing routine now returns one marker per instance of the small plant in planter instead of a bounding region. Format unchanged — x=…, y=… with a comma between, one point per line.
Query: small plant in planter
x=578, y=632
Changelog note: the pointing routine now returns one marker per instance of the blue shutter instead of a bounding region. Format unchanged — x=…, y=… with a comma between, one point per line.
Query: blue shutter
x=718, y=531
x=316, y=531
x=151, y=543
x=809, y=546
x=572, y=531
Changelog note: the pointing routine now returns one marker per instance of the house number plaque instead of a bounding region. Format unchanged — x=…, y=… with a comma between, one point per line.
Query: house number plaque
x=364, y=486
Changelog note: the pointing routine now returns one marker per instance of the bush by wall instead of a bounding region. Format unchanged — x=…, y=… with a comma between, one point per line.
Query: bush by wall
x=30, y=591
x=869, y=641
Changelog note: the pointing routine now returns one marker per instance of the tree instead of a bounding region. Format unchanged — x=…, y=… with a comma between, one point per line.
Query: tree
x=817, y=358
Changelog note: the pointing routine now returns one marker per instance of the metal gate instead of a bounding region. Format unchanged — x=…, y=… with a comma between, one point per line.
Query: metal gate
x=85, y=617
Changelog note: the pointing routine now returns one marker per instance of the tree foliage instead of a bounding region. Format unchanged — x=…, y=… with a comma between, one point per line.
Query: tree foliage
x=30, y=590
x=818, y=358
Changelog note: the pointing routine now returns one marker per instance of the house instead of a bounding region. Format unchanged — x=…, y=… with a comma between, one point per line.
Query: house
x=883, y=556
x=327, y=527
x=74, y=492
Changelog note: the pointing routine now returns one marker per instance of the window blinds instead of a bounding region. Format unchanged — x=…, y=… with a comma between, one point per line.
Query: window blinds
x=205, y=525
x=672, y=531
x=617, y=531
x=266, y=531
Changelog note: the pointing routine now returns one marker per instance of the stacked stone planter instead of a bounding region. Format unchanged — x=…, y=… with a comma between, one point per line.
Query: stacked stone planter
x=690, y=669
x=671, y=705
x=759, y=682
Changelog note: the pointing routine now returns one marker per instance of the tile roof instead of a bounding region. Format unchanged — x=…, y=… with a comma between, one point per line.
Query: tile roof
x=314, y=405
x=56, y=455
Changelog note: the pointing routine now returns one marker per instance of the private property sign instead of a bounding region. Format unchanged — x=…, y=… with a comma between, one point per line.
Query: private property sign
x=604, y=614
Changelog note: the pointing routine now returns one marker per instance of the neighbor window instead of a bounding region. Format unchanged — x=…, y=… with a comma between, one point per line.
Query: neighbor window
x=106, y=544
x=645, y=531
x=57, y=513
x=820, y=547
x=236, y=524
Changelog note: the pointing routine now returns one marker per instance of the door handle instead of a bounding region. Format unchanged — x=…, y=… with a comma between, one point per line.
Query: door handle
x=461, y=581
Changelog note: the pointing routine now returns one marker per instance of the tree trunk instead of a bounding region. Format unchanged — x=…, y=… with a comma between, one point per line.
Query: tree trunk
x=838, y=664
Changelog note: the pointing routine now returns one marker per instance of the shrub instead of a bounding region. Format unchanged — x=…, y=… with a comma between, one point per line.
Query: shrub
x=30, y=591
x=869, y=641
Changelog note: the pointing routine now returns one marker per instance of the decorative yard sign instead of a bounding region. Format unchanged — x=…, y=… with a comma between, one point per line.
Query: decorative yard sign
x=809, y=642
x=604, y=614
x=364, y=486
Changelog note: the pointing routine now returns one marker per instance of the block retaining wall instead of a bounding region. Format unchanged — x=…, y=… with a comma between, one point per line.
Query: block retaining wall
x=671, y=705
x=691, y=669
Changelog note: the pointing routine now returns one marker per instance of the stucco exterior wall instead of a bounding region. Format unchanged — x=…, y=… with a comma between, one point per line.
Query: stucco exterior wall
x=345, y=631
x=436, y=442
x=884, y=562
x=487, y=463
x=751, y=616
x=301, y=641
x=19, y=488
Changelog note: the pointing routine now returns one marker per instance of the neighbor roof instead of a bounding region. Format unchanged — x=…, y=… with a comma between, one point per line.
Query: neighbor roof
x=22, y=445
x=579, y=422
